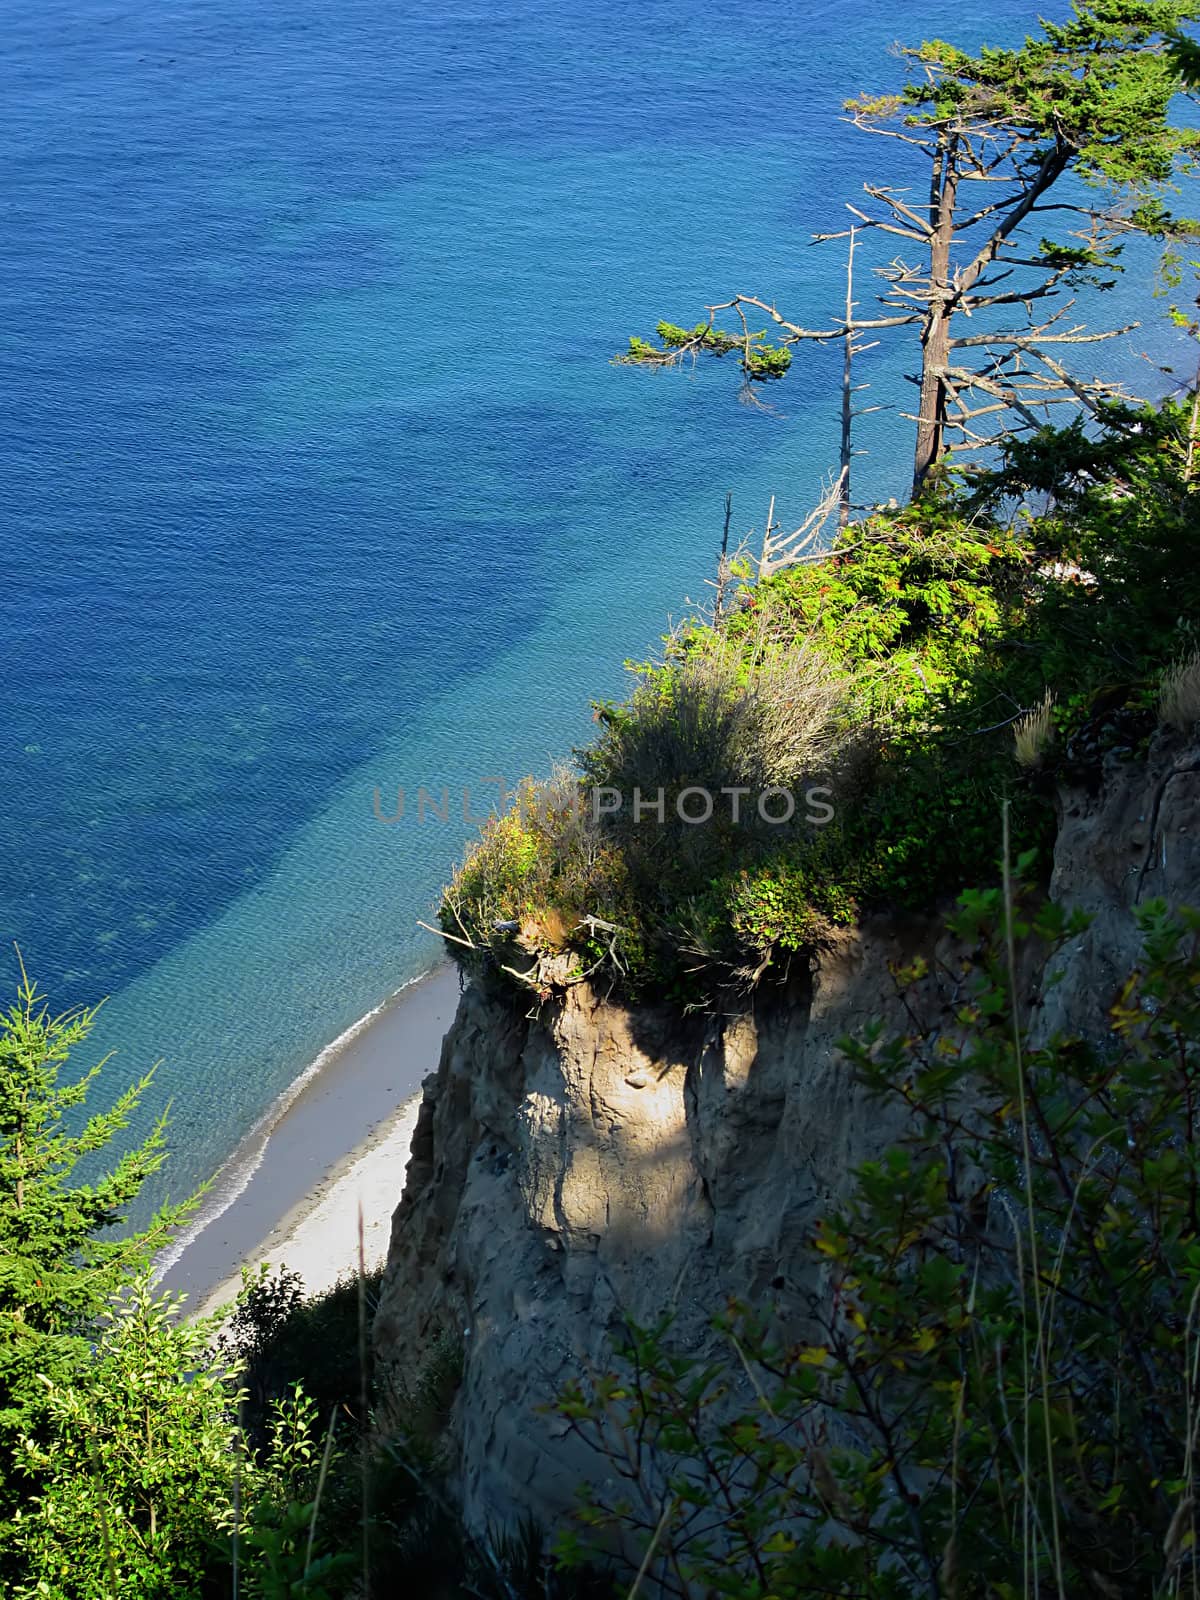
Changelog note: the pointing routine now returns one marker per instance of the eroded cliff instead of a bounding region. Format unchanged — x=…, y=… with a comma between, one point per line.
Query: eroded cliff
x=583, y=1159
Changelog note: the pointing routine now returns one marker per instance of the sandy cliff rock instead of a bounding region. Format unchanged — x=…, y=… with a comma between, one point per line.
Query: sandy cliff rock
x=589, y=1158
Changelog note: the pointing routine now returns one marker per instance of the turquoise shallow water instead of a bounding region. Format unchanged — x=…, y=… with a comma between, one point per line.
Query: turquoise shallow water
x=316, y=475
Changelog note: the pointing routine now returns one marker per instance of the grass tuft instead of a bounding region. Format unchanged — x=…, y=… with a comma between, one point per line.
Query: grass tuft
x=1033, y=735
x=1179, y=694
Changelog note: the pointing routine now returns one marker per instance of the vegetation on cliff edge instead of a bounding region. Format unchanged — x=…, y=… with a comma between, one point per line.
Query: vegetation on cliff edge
x=892, y=685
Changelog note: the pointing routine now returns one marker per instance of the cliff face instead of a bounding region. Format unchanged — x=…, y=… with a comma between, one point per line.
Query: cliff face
x=589, y=1159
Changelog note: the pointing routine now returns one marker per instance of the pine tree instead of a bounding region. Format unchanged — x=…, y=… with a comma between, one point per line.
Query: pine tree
x=996, y=243
x=59, y=1274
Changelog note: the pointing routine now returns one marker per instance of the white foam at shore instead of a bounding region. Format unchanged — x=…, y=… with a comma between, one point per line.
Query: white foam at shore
x=234, y=1176
x=322, y=1242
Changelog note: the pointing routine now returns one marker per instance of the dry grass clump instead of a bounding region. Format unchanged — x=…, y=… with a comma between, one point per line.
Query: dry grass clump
x=1033, y=735
x=712, y=722
x=1179, y=694
x=797, y=699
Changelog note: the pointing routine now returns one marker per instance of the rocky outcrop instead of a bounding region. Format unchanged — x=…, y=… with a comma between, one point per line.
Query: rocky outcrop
x=587, y=1160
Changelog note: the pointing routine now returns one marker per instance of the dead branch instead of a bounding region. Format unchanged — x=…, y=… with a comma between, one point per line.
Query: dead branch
x=790, y=550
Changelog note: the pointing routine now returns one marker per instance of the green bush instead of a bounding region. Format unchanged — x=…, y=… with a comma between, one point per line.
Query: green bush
x=140, y=1482
x=133, y=1479
x=716, y=719
x=279, y=1339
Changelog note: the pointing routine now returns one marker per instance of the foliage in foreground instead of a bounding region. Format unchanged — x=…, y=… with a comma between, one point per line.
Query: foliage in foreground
x=146, y=1457
x=144, y=1476
x=891, y=675
x=142, y=1455
x=996, y=1391
x=122, y=1458
x=60, y=1263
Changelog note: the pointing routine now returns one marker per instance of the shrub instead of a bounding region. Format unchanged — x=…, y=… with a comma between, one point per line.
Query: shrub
x=279, y=1339
x=714, y=721
x=536, y=873
x=792, y=901
x=303, y=1361
x=134, y=1481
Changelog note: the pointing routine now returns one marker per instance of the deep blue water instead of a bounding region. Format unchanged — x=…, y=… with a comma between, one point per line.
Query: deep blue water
x=314, y=475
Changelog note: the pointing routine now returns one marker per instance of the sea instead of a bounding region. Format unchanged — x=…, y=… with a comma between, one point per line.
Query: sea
x=318, y=482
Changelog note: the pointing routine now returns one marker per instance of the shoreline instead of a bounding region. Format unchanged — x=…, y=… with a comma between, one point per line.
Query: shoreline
x=290, y=1195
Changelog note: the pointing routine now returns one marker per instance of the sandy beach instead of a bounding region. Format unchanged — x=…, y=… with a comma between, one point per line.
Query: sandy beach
x=291, y=1197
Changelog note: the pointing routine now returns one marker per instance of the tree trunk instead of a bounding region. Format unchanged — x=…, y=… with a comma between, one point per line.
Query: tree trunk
x=931, y=417
x=932, y=413
x=935, y=332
